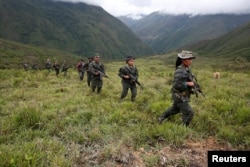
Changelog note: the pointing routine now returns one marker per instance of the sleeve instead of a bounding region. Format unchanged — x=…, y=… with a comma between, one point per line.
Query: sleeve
x=121, y=73
x=91, y=69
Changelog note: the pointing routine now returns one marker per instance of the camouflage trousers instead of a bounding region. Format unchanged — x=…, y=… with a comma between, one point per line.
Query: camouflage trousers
x=88, y=78
x=81, y=75
x=177, y=107
x=96, y=83
x=125, y=87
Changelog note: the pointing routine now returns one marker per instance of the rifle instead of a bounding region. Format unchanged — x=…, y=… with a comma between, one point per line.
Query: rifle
x=102, y=74
x=196, y=87
x=133, y=78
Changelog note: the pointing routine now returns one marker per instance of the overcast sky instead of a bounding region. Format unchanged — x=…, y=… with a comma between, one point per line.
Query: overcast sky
x=125, y=7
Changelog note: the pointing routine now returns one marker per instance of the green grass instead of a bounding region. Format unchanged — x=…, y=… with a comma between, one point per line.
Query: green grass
x=57, y=121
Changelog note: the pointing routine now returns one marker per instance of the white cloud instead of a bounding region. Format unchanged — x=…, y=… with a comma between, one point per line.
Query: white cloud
x=125, y=7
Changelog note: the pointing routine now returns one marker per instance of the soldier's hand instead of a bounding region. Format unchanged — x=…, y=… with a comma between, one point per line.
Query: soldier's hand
x=126, y=76
x=97, y=73
x=191, y=84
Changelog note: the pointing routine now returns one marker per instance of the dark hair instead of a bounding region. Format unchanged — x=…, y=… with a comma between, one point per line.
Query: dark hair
x=178, y=62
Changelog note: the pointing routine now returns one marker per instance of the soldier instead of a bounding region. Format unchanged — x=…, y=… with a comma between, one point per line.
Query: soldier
x=181, y=90
x=48, y=65
x=25, y=66
x=80, y=68
x=56, y=66
x=86, y=67
x=126, y=72
x=96, y=68
x=64, y=68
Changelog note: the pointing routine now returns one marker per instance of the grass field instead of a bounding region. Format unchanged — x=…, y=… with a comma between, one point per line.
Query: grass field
x=57, y=121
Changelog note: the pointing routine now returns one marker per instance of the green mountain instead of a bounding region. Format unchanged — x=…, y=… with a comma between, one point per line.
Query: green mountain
x=234, y=44
x=165, y=32
x=14, y=54
x=73, y=27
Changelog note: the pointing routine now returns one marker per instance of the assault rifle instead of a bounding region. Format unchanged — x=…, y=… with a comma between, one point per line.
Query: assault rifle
x=102, y=74
x=196, y=87
x=133, y=78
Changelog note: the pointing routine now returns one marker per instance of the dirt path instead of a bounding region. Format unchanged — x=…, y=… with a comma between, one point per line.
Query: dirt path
x=191, y=154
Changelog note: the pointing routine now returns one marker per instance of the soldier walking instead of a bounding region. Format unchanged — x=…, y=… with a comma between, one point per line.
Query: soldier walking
x=181, y=90
x=65, y=68
x=96, y=68
x=56, y=66
x=126, y=73
x=48, y=65
x=86, y=67
x=80, y=69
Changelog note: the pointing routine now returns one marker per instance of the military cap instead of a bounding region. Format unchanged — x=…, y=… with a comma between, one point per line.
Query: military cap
x=186, y=55
x=129, y=58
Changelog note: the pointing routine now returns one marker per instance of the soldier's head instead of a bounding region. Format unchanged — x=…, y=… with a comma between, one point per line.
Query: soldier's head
x=185, y=58
x=97, y=58
x=90, y=59
x=130, y=60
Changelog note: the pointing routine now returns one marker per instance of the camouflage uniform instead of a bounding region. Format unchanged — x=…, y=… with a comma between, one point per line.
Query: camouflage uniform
x=57, y=68
x=181, y=95
x=86, y=67
x=80, y=69
x=127, y=83
x=96, y=78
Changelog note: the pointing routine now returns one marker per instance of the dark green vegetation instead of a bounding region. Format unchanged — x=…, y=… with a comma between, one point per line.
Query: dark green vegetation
x=234, y=45
x=14, y=55
x=73, y=27
x=170, y=32
x=56, y=121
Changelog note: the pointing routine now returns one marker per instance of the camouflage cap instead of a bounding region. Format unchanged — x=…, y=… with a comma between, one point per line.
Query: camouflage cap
x=186, y=55
x=129, y=58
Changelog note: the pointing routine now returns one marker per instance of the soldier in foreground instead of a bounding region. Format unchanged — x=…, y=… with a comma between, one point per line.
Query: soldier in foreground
x=96, y=68
x=129, y=75
x=181, y=90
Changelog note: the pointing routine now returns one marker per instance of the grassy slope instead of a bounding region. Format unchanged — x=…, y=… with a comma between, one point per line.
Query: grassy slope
x=13, y=55
x=66, y=124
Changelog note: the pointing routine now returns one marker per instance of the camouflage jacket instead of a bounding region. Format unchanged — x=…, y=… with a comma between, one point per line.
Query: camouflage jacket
x=181, y=91
x=126, y=70
x=94, y=68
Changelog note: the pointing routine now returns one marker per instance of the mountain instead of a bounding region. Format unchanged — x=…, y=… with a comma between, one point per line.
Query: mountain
x=164, y=32
x=14, y=54
x=234, y=44
x=131, y=20
x=73, y=27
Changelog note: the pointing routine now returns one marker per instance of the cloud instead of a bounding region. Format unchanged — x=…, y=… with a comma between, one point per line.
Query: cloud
x=135, y=7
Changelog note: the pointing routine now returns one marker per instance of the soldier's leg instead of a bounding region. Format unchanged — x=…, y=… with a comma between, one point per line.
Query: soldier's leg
x=81, y=75
x=174, y=109
x=88, y=78
x=93, y=84
x=99, y=86
x=125, y=88
x=133, y=92
x=187, y=113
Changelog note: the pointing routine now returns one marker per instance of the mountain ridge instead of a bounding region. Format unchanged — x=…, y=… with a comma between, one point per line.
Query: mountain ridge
x=73, y=27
